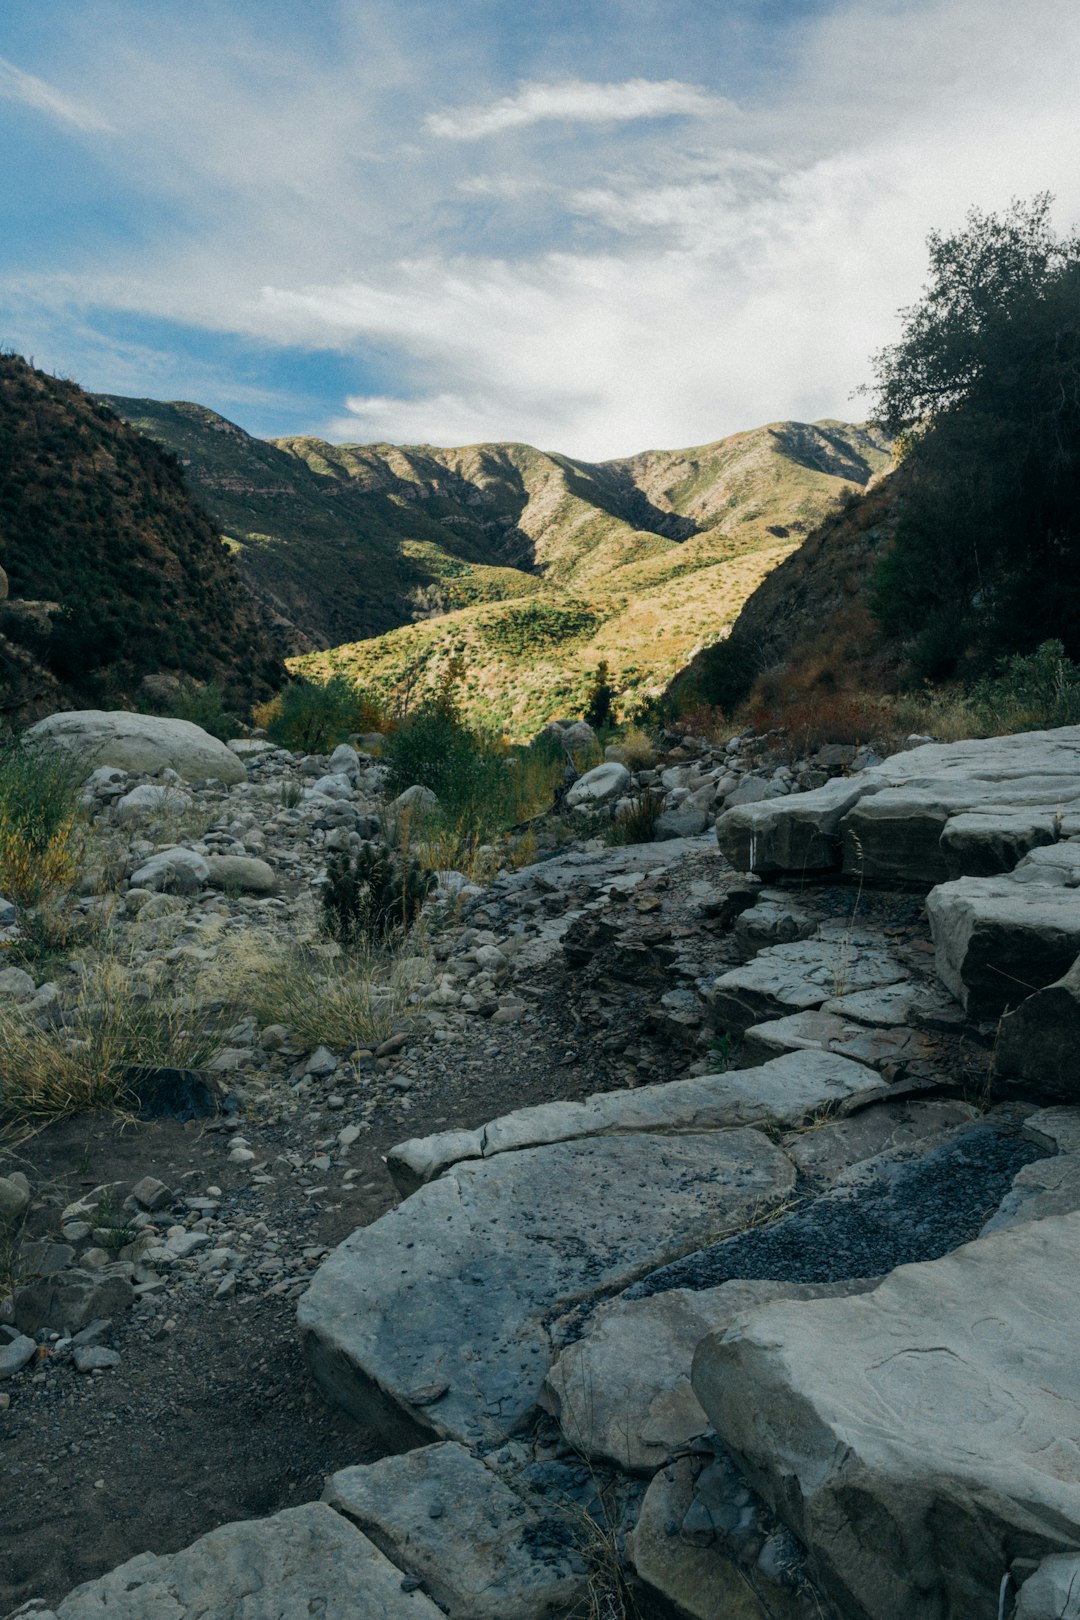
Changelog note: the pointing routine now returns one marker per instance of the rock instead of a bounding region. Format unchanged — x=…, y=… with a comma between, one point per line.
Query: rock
x=416, y=798
x=172, y=871
x=303, y=1562
x=90, y=1358
x=1046, y=1187
x=151, y=1193
x=622, y=1392
x=243, y=873
x=578, y=734
x=828, y=1150
x=491, y=1555
x=997, y=940
x=754, y=790
x=143, y=743
x=793, y=978
x=598, y=786
x=455, y=1285
x=181, y=1094
x=687, y=819
x=818, y=1030
x=949, y=1441
x=1053, y=1592
x=699, y=1582
x=150, y=798
x=920, y=1006
x=1039, y=1043
x=250, y=747
x=17, y=983
x=70, y=1299
x=345, y=761
x=14, y=1198
x=771, y=921
x=891, y=820
x=321, y=1063
x=337, y=785
x=16, y=1349
x=780, y=1092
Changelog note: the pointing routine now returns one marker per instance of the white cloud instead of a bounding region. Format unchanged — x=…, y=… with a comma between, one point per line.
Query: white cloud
x=15, y=85
x=575, y=101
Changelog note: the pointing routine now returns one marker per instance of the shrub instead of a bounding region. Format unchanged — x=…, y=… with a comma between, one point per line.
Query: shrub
x=637, y=750
x=370, y=898
x=637, y=824
x=40, y=837
x=433, y=747
x=205, y=706
x=600, y=702
x=317, y=715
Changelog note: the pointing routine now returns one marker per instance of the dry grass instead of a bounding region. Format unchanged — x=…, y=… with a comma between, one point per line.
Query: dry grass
x=120, y=1015
x=324, y=996
x=636, y=749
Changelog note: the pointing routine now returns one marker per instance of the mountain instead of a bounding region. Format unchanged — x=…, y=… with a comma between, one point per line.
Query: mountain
x=112, y=571
x=529, y=567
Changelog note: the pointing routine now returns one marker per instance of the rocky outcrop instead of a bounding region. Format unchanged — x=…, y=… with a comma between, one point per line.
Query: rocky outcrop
x=948, y=1447
x=1040, y=1042
x=141, y=742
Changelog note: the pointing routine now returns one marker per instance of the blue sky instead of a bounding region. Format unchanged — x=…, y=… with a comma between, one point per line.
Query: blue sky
x=595, y=225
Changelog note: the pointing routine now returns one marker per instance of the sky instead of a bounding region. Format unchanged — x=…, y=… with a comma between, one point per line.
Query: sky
x=598, y=226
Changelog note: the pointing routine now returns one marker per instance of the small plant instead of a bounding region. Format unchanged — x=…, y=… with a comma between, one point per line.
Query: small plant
x=317, y=715
x=637, y=823
x=371, y=897
x=724, y=1050
x=40, y=833
x=291, y=794
x=637, y=749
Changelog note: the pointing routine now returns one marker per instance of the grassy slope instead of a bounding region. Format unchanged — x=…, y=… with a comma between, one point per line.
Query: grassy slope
x=546, y=564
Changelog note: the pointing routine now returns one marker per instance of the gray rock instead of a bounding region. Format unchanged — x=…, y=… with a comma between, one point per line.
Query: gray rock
x=754, y=790
x=89, y=1358
x=779, y=1092
x=452, y=1290
x=245, y=873
x=151, y=1193
x=172, y=871
x=344, y=761
x=598, y=786
x=1053, y=1592
x=416, y=798
x=980, y=843
x=17, y=983
x=920, y=1006
x=793, y=978
x=818, y=1030
x=828, y=1150
x=479, y=1548
x=949, y=1440
x=1040, y=1042
x=149, y=798
x=771, y=922
x=997, y=940
x=16, y=1349
x=14, y=1198
x=70, y=1299
x=337, y=785
x=142, y=743
x=1046, y=1187
x=307, y=1561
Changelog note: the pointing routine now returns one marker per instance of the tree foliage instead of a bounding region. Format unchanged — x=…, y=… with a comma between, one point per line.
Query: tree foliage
x=984, y=390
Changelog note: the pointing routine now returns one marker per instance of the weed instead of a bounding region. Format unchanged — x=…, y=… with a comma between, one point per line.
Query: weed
x=723, y=1051
x=636, y=749
x=40, y=832
x=370, y=898
x=637, y=823
x=291, y=794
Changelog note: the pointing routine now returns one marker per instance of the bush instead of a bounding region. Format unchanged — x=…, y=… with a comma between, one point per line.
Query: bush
x=467, y=772
x=205, y=706
x=39, y=826
x=600, y=702
x=315, y=716
x=637, y=824
x=370, y=898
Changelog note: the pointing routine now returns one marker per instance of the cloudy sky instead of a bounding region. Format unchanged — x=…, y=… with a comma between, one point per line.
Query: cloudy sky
x=595, y=225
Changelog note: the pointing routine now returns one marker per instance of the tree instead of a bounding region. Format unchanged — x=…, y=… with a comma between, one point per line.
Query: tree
x=983, y=389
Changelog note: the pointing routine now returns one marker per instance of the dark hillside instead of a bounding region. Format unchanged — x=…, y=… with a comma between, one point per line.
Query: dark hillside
x=113, y=571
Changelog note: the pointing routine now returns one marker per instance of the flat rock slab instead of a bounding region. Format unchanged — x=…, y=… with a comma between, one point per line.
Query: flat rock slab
x=821, y=1031
x=905, y=836
x=796, y=977
x=434, y=1319
x=998, y=940
x=919, y=1006
x=622, y=1392
x=785, y=1093
x=304, y=1562
x=892, y=1128
x=480, y=1548
x=950, y=1445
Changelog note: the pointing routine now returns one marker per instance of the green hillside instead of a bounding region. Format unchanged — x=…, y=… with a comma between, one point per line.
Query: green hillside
x=389, y=561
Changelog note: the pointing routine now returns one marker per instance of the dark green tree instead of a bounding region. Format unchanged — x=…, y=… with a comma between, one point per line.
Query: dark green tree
x=983, y=391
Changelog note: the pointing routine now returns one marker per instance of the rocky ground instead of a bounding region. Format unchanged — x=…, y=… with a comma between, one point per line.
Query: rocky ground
x=153, y=1380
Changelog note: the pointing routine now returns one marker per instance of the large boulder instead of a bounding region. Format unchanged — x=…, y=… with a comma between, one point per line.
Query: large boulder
x=434, y=1321
x=1040, y=1041
x=919, y=1438
x=999, y=939
x=305, y=1561
x=144, y=743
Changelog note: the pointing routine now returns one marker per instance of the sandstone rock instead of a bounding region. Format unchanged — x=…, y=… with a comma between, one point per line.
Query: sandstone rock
x=597, y=786
x=172, y=871
x=792, y=978
x=433, y=1318
x=1040, y=1042
x=783, y=1091
x=997, y=940
x=700, y=1582
x=480, y=1549
x=245, y=873
x=949, y=1441
x=302, y=1562
x=143, y=743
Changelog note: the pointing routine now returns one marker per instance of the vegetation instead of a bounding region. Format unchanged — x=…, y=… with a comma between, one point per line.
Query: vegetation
x=985, y=385
x=204, y=704
x=113, y=571
x=371, y=898
x=317, y=715
x=40, y=833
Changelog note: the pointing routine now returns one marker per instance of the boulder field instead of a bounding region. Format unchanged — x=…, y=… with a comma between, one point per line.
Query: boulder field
x=789, y=1335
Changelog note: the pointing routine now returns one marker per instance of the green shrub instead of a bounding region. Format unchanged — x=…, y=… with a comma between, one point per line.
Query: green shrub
x=205, y=706
x=370, y=898
x=317, y=715
x=637, y=824
x=39, y=813
x=600, y=702
x=1027, y=693
x=464, y=769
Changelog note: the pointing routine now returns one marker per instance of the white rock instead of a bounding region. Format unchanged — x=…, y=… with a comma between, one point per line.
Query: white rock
x=597, y=786
x=149, y=798
x=416, y=798
x=175, y=871
x=143, y=743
